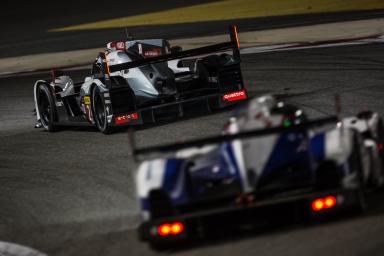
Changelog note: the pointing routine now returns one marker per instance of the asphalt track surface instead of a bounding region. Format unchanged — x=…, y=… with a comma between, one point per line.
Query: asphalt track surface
x=24, y=24
x=72, y=193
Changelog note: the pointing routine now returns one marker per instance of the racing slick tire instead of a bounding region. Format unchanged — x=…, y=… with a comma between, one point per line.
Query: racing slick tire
x=46, y=107
x=160, y=204
x=380, y=147
x=99, y=112
x=328, y=176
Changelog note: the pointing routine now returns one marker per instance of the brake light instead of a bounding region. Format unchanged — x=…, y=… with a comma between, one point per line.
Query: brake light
x=126, y=118
x=177, y=228
x=329, y=202
x=323, y=203
x=318, y=205
x=167, y=229
x=234, y=96
x=164, y=230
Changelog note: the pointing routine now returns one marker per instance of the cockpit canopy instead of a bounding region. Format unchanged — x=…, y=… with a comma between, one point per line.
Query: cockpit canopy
x=137, y=49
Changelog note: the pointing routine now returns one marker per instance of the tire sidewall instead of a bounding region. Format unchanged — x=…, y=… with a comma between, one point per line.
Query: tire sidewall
x=47, y=126
x=356, y=160
x=102, y=127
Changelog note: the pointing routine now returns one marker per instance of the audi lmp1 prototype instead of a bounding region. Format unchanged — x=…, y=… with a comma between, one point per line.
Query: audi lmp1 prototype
x=144, y=81
x=270, y=154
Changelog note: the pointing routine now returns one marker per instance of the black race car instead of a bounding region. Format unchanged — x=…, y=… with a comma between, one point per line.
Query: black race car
x=143, y=81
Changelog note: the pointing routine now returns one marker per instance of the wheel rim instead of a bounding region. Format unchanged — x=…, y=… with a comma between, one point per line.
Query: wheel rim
x=44, y=108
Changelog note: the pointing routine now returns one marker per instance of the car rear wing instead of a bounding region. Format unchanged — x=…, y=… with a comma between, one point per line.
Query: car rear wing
x=230, y=137
x=233, y=45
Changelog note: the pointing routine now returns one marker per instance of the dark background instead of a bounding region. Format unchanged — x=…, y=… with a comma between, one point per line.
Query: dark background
x=24, y=24
x=72, y=192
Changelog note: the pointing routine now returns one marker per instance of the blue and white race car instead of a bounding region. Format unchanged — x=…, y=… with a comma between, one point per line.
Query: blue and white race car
x=270, y=154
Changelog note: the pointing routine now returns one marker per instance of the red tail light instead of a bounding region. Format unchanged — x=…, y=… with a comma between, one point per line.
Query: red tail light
x=329, y=202
x=177, y=228
x=380, y=146
x=318, y=205
x=167, y=229
x=323, y=203
x=164, y=229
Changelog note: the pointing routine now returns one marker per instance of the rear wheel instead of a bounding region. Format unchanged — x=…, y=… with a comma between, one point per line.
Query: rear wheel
x=99, y=112
x=160, y=204
x=361, y=202
x=328, y=176
x=380, y=148
x=46, y=107
x=356, y=166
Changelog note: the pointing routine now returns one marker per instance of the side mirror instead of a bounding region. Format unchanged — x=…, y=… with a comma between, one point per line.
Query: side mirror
x=175, y=49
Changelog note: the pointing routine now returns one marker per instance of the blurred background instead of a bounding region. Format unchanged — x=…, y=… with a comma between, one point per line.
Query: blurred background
x=29, y=27
x=60, y=195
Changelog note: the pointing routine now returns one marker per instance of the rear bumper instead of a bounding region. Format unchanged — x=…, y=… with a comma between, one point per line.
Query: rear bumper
x=244, y=212
x=178, y=109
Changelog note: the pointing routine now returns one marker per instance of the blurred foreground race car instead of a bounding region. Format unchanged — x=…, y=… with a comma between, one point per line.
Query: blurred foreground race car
x=270, y=154
x=144, y=81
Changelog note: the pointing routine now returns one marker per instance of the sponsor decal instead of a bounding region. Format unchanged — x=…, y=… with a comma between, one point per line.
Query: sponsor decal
x=87, y=100
x=234, y=96
x=152, y=53
x=126, y=118
x=120, y=46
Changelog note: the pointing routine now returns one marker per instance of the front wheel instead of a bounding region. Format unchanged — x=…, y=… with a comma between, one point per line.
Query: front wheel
x=99, y=112
x=46, y=107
